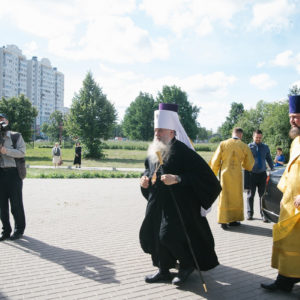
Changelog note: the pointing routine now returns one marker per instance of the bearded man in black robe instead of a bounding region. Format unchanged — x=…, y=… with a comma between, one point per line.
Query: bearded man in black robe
x=195, y=188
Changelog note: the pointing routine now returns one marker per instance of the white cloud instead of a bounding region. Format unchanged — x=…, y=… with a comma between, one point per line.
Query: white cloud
x=92, y=29
x=287, y=59
x=209, y=91
x=260, y=64
x=272, y=15
x=262, y=81
x=198, y=15
x=284, y=59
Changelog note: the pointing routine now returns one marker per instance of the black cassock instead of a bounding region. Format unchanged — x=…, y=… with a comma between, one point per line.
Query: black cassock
x=161, y=233
x=77, y=159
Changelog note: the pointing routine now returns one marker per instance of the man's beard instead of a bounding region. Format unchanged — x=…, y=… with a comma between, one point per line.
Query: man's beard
x=294, y=132
x=158, y=146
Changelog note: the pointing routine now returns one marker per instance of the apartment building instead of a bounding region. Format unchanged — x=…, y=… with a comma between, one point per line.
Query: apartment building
x=13, y=72
x=37, y=80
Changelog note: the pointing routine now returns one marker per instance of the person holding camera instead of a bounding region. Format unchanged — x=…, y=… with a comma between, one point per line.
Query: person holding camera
x=11, y=183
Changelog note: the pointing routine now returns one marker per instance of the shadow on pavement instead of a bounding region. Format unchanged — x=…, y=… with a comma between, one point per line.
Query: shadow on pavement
x=77, y=262
x=250, y=229
x=225, y=282
x=2, y=296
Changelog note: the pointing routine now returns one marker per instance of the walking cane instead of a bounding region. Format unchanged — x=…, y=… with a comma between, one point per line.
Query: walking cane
x=183, y=225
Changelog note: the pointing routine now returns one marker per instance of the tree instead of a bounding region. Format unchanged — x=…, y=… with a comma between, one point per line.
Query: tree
x=295, y=90
x=21, y=115
x=138, y=119
x=118, y=131
x=203, y=133
x=188, y=113
x=236, y=111
x=55, y=127
x=276, y=125
x=251, y=120
x=91, y=117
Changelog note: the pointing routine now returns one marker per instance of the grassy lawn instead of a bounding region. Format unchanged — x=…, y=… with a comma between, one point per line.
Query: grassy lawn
x=118, y=158
x=113, y=158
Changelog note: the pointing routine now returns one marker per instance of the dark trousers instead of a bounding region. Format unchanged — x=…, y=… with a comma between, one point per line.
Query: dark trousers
x=286, y=283
x=257, y=180
x=11, y=191
x=173, y=246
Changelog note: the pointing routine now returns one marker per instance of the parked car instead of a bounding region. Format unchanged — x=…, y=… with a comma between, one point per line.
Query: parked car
x=270, y=202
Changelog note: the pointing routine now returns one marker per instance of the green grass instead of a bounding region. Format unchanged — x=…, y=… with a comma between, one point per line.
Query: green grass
x=65, y=173
x=115, y=157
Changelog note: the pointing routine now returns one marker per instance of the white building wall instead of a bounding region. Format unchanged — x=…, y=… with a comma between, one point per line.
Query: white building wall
x=13, y=72
x=33, y=86
x=59, y=90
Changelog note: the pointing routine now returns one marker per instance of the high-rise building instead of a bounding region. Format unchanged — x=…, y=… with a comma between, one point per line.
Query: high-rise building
x=37, y=80
x=59, y=82
x=13, y=72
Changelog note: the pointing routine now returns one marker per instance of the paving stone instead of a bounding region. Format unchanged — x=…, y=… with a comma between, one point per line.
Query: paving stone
x=81, y=242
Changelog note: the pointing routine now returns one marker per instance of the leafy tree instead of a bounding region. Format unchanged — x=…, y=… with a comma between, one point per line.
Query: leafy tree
x=55, y=127
x=203, y=133
x=295, y=90
x=21, y=115
x=187, y=112
x=236, y=111
x=91, y=117
x=215, y=139
x=138, y=119
x=118, y=130
x=251, y=120
x=276, y=125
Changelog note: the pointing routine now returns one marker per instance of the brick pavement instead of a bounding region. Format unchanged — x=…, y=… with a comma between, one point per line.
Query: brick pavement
x=81, y=242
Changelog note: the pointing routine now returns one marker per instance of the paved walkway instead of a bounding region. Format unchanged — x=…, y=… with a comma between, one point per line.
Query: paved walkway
x=81, y=242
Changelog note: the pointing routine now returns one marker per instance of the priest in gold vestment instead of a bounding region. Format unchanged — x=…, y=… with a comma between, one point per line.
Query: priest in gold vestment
x=231, y=156
x=286, y=234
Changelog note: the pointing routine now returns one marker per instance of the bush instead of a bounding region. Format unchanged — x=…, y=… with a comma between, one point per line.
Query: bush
x=86, y=174
x=202, y=148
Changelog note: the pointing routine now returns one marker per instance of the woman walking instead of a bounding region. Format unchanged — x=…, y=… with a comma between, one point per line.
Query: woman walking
x=77, y=159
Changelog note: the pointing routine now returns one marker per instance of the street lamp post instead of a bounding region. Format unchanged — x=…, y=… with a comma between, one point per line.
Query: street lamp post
x=60, y=132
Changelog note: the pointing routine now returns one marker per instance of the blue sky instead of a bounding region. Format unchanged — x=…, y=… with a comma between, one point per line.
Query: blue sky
x=218, y=51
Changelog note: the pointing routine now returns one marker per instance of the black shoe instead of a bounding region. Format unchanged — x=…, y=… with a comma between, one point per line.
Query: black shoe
x=235, y=223
x=4, y=236
x=265, y=220
x=158, y=276
x=182, y=276
x=274, y=287
x=224, y=226
x=16, y=236
x=249, y=218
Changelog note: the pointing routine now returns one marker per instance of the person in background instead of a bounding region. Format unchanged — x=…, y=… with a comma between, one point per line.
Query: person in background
x=77, y=159
x=56, y=155
x=279, y=158
x=11, y=184
x=257, y=177
x=230, y=157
